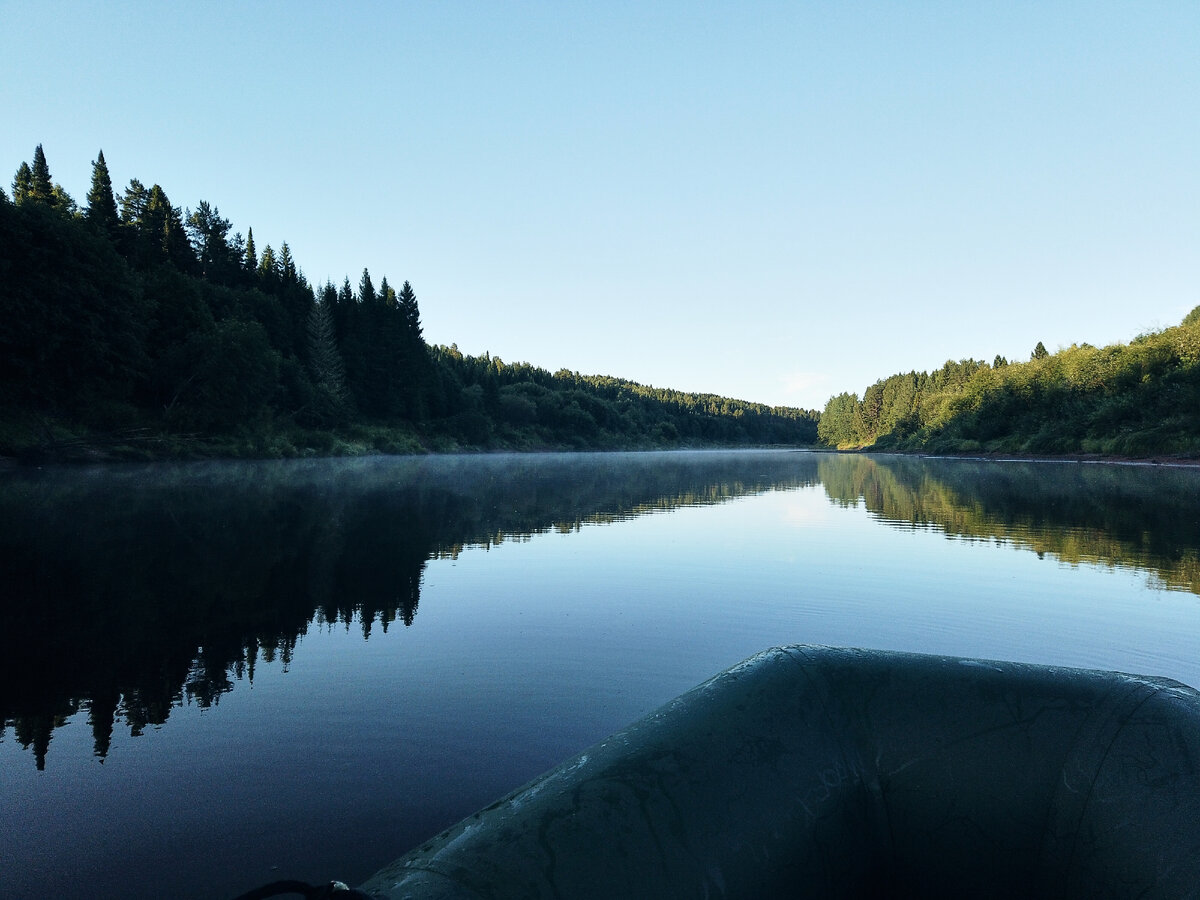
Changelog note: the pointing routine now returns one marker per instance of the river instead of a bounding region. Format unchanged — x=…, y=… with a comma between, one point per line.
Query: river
x=215, y=675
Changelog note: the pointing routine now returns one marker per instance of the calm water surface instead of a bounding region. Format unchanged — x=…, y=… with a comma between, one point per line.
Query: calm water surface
x=217, y=675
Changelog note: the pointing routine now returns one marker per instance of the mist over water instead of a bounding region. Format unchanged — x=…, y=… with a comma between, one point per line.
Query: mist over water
x=214, y=675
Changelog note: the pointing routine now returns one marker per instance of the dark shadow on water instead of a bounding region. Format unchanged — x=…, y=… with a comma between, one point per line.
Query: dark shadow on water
x=132, y=589
x=129, y=590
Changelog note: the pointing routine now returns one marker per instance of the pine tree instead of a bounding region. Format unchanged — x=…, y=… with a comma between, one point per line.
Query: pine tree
x=386, y=293
x=268, y=268
x=133, y=203
x=102, y=205
x=43, y=187
x=210, y=239
x=408, y=306
x=250, y=259
x=366, y=290
x=287, y=265
x=163, y=233
x=1039, y=352
x=324, y=361
x=342, y=310
x=23, y=184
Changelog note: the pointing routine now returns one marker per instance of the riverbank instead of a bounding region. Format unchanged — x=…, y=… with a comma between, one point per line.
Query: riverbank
x=42, y=441
x=1183, y=461
x=37, y=440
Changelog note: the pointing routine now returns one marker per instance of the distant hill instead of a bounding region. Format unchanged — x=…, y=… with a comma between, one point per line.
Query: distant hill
x=1137, y=399
x=130, y=327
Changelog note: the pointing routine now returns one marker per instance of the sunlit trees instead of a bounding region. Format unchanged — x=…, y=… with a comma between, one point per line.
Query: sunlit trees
x=1122, y=399
x=33, y=184
x=840, y=421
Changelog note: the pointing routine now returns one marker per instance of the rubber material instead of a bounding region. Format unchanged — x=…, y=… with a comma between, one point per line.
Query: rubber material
x=820, y=772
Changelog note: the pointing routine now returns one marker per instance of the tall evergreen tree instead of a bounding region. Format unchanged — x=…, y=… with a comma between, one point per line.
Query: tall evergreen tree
x=287, y=265
x=407, y=300
x=343, y=310
x=1039, y=352
x=268, y=267
x=346, y=293
x=210, y=239
x=366, y=290
x=102, y=205
x=43, y=187
x=133, y=203
x=163, y=231
x=387, y=293
x=23, y=184
x=250, y=258
x=324, y=361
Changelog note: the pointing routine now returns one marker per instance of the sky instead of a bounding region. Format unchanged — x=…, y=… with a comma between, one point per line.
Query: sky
x=776, y=202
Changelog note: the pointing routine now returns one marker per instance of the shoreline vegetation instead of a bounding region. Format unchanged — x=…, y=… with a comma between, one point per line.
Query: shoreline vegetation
x=132, y=329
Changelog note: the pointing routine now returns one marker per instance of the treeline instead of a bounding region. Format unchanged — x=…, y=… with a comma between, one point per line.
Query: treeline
x=1135, y=399
x=520, y=404
x=132, y=326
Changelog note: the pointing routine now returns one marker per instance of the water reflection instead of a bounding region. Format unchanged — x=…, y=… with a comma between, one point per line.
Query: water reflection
x=130, y=590
x=1139, y=517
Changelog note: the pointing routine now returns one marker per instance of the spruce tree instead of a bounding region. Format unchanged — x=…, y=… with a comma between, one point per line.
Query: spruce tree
x=366, y=290
x=324, y=360
x=162, y=232
x=287, y=265
x=43, y=187
x=268, y=268
x=102, y=205
x=250, y=258
x=23, y=184
x=408, y=306
x=1039, y=352
x=342, y=310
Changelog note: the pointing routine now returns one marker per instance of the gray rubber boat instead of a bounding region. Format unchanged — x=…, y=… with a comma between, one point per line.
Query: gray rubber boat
x=819, y=772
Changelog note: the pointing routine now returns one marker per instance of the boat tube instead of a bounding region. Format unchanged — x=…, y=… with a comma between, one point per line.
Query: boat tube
x=820, y=772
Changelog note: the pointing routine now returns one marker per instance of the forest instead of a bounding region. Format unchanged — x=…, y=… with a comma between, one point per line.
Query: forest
x=1139, y=399
x=133, y=328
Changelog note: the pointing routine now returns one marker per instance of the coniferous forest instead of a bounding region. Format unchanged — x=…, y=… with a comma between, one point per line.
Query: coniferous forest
x=132, y=327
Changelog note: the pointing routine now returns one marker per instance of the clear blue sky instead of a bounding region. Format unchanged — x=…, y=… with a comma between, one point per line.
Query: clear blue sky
x=772, y=201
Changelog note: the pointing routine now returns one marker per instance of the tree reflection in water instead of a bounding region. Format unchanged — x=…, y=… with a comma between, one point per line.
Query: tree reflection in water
x=130, y=590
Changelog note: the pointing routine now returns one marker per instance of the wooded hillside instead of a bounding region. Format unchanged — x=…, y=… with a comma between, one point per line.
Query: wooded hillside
x=132, y=327
x=1135, y=399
